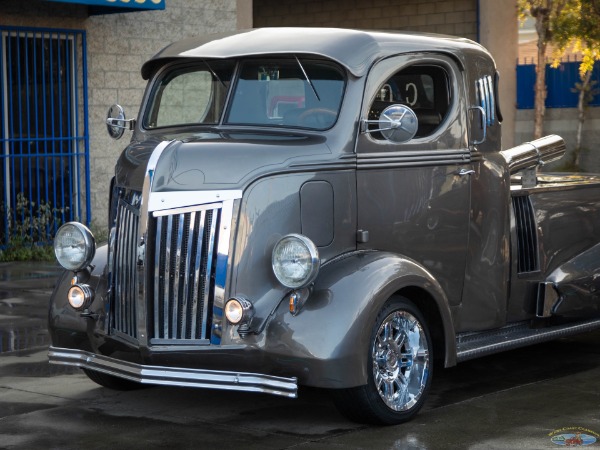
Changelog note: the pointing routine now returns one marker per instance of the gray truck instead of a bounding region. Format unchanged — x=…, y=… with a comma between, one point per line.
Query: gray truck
x=329, y=208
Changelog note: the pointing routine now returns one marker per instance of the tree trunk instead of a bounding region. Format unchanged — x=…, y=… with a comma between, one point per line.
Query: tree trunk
x=581, y=106
x=541, y=25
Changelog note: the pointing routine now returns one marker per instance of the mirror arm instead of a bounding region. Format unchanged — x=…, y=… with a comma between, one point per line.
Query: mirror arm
x=365, y=129
x=126, y=124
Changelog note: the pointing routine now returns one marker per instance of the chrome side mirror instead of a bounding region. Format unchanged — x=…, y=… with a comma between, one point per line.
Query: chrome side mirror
x=397, y=124
x=116, y=123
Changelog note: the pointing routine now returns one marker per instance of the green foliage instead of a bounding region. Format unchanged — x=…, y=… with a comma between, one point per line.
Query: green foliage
x=578, y=28
x=21, y=248
x=31, y=227
x=589, y=90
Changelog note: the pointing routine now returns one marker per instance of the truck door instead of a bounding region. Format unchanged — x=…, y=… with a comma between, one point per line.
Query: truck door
x=414, y=197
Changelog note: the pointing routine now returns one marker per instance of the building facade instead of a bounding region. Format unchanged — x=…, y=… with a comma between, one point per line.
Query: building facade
x=62, y=65
x=64, y=62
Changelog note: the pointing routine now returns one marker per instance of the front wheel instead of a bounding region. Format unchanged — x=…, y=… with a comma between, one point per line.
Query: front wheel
x=399, y=368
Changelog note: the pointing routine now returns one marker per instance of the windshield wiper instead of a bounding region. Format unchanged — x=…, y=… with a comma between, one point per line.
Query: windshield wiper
x=214, y=74
x=307, y=79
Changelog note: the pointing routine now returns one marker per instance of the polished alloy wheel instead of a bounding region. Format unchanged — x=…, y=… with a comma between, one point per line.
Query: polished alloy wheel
x=400, y=360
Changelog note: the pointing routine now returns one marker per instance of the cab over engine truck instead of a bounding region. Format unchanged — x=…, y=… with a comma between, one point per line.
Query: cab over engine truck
x=324, y=207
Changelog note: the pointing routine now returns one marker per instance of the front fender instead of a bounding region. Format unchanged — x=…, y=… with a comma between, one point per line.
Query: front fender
x=327, y=343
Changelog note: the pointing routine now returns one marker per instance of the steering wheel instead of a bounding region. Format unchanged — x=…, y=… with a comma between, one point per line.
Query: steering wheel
x=319, y=118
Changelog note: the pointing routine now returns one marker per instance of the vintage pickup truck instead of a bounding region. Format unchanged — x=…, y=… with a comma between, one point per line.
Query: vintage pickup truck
x=324, y=207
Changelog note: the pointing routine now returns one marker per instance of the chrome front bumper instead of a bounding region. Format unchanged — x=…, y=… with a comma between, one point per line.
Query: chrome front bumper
x=175, y=376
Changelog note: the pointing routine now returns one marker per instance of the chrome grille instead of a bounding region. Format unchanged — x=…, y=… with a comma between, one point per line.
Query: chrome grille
x=183, y=283
x=124, y=269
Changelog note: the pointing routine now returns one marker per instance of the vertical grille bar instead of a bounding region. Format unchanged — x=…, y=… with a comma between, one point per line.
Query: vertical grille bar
x=176, y=308
x=195, y=289
x=125, y=279
x=187, y=302
x=167, y=277
x=185, y=250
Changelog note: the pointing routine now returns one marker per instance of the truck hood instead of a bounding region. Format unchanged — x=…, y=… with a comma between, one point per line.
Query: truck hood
x=217, y=161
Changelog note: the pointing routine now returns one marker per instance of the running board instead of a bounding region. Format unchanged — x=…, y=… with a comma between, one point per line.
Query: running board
x=474, y=345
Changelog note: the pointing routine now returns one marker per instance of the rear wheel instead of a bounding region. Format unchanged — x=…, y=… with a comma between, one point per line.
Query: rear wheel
x=112, y=382
x=399, y=368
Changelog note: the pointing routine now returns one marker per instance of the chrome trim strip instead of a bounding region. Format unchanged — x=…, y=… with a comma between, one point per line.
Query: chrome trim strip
x=175, y=376
x=208, y=271
x=412, y=158
x=157, y=253
x=190, y=209
x=221, y=269
x=417, y=154
x=474, y=345
x=182, y=199
x=148, y=179
x=142, y=239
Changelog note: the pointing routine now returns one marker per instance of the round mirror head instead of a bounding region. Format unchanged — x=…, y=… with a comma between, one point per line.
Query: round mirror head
x=398, y=123
x=115, y=121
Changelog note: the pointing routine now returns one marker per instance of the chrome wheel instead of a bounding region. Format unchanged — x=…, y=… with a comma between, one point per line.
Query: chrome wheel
x=399, y=359
x=400, y=355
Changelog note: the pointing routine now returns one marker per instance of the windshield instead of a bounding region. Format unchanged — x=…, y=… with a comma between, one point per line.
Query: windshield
x=190, y=95
x=268, y=92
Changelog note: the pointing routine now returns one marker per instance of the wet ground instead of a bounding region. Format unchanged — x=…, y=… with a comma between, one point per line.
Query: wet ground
x=515, y=400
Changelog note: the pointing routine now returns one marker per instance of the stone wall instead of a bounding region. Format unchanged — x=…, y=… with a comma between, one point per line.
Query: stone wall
x=117, y=45
x=454, y=17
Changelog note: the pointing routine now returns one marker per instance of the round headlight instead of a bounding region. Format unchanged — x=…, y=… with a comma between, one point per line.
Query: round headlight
x=295, y=261
x=74, y=246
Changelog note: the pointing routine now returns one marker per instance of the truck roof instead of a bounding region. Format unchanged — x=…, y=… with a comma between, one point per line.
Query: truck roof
x=357, y=50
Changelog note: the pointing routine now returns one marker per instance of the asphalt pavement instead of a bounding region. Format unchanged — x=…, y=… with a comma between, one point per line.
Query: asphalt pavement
x=538, y=397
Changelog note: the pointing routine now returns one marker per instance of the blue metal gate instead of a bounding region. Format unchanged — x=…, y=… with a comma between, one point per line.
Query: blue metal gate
x=44, y=142
x=560, y=84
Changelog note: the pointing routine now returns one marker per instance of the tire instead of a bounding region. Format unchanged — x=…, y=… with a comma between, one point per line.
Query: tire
x=399, y=368
x=112, y=382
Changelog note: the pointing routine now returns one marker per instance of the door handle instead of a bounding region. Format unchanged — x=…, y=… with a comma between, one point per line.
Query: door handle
x=463, y=172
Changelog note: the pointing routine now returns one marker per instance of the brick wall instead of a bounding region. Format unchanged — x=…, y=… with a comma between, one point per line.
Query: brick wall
x=117, y=44
x=454, y=17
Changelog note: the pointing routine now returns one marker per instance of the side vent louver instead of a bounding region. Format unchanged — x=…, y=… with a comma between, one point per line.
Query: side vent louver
x=527, y=243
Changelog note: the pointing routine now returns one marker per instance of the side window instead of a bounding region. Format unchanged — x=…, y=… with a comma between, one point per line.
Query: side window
x=423, y=88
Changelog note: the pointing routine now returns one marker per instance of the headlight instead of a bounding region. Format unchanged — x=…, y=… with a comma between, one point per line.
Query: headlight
x=295, y=261
x=74, y=246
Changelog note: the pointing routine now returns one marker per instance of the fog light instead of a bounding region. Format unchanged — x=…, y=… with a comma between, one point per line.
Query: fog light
x=80, y=296
x=238, y=310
